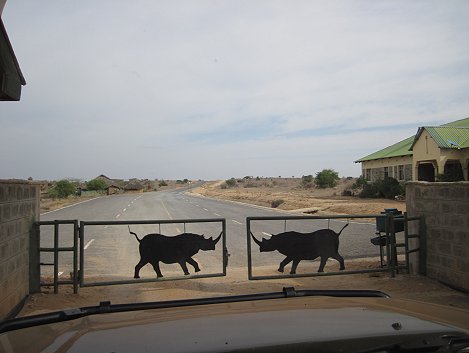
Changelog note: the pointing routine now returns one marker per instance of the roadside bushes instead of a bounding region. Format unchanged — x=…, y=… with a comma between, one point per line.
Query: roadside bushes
x=387, y=188
x=96, y=185
x=62, y=189
x=276, y=203
x=230, y=182
x=307, y=181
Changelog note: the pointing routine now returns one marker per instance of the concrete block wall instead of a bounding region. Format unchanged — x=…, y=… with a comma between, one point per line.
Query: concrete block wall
x=445, y=207
x=19, y=208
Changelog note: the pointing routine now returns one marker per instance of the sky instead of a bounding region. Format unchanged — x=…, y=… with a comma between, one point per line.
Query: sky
x=219, y=89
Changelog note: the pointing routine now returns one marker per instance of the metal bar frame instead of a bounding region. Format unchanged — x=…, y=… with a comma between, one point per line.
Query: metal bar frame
x=56, y=251
x=391, y=267
x=83, y=225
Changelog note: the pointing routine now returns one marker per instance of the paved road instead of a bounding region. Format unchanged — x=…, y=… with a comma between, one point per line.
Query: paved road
x=111, y=252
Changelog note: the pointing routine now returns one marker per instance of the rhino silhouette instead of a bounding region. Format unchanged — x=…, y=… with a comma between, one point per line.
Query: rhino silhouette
x=323, y=243
x=179, y=249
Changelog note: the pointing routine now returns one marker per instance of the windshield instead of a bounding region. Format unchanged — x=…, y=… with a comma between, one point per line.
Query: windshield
x=182, y=150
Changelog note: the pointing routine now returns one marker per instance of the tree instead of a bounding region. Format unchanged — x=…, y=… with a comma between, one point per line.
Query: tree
x=96, y=184
x=327, y=178
x=62, y=189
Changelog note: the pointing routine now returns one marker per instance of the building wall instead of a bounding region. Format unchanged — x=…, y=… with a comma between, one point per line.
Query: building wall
x=19, y=208
x=427, y=150
x=445, y=207
x=375, y=169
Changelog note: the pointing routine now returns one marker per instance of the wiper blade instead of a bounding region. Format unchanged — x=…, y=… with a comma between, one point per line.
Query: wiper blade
x=106, y=307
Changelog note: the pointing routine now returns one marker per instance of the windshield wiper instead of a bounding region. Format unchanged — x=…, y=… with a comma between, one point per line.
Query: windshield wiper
x=106, y=307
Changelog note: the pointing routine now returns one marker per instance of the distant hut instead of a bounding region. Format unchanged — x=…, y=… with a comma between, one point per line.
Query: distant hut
x=113, y=189
x=134, y=186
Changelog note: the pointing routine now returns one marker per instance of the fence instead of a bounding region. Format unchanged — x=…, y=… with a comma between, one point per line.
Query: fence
x=113, y=241
x=386, y=242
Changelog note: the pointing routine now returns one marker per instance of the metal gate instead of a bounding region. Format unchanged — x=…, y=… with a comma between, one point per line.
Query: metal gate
x=53, y=247
x=75, y=245
x=388, y=244
x=85, y=225
x=47, y=249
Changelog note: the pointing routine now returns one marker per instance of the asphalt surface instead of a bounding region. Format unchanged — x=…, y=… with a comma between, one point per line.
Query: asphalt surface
x=111, y=253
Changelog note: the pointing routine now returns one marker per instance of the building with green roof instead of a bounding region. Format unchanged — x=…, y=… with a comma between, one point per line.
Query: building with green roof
x=433, y=151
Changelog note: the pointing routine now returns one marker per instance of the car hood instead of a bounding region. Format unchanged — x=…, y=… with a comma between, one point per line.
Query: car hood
x=241, y=325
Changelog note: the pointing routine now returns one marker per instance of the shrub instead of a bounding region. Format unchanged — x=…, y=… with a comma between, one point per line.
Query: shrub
x=327, y=178
x=451, y=175
x=230, y=182
x=96, y=185
x=387, y=188
x=347, y=193
x=276, y=203
x=62, y=189
x=307, y=181
x=162, y=183
x=360, y=183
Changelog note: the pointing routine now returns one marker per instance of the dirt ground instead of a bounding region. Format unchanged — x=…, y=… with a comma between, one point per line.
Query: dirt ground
x=294, y=197
x=402, y=286
x=263, y=192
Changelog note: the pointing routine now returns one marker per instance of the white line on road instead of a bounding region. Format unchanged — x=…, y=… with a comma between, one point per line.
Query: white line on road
x=69, y=206
x=124, y=210
x=236, y=221
x=88, y=244
x=167, y=212
x=218, y=215
x=118, y=215
x=205, y=209
x=269, y=235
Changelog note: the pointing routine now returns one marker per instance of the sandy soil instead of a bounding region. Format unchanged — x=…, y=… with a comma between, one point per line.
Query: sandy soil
x=402, y=286
x=263, y=193
x=297, y=198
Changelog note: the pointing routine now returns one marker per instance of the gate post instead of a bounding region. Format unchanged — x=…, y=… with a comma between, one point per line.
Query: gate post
x=34, y=259
x=81, y=238
x=423, y=246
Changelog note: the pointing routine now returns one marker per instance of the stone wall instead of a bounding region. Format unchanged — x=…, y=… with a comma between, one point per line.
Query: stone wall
x=445, y=207
x=19, y=208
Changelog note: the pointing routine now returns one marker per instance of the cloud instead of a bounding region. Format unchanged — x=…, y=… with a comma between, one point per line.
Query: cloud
x=205, y=89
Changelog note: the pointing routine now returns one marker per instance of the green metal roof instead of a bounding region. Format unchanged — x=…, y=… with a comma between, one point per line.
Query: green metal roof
x=458, y=123
x=397, y=150
x=450, y=135
x=447, y=136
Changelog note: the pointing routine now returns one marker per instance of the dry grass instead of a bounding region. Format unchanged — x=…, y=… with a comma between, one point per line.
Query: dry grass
x=297, y=198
